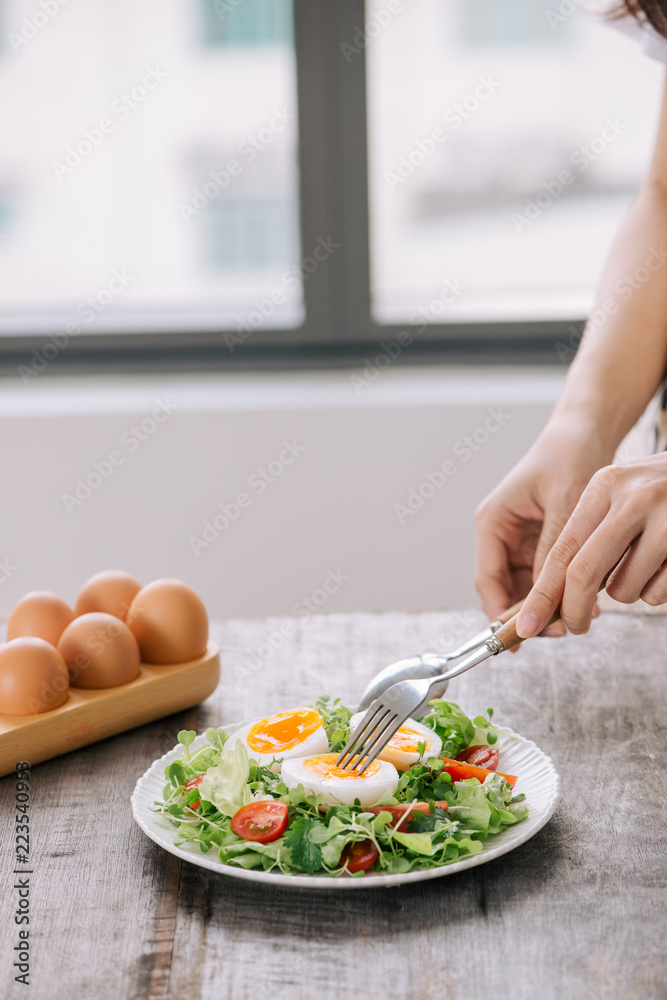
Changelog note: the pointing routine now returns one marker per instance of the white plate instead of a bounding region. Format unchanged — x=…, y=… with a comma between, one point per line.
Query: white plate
x=538, y=778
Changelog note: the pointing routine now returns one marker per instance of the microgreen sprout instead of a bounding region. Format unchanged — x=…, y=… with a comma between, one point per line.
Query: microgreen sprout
x=187, y=738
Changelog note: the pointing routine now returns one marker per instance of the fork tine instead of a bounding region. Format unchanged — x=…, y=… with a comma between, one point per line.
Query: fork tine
x=377, y=734
x=379, y=743
x=365, y=727
x=361, y=733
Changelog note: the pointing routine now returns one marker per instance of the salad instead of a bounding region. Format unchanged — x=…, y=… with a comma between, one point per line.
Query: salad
x=271, y=796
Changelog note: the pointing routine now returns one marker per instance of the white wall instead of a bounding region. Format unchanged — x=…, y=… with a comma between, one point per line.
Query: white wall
x=331, y=510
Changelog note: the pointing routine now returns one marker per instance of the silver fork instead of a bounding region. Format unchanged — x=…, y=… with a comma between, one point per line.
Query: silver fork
x=388, y=713
x=429, y=665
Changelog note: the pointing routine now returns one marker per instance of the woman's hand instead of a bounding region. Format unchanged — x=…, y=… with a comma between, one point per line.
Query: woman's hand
x=622, y=510
x=518, y=522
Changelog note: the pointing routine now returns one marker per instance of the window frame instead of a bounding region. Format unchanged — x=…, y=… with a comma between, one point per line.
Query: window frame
x=338, y=328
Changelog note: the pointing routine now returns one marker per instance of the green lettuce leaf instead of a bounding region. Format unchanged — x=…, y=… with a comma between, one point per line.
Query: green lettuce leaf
x=472, y=809
x=420, y=843
x=226, y=785
x=332, y=850
x=451, y=724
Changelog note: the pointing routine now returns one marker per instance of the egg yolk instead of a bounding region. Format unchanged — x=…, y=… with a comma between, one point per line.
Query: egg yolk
x=325, y=765
x=283, y=731
x=407, y=740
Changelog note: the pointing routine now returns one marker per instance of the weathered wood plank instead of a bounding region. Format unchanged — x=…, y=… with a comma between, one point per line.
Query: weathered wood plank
x=577, y=911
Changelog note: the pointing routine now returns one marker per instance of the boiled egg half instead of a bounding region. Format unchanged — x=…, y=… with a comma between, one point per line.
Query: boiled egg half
x=402, y=749
x=297, y=733
x=320, y=775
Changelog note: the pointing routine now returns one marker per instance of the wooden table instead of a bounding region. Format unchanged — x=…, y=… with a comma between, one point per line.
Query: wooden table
x=577, y=912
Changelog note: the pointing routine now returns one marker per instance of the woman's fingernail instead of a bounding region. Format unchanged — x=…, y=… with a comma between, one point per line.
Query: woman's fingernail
x=554, y=631
x=528, y=625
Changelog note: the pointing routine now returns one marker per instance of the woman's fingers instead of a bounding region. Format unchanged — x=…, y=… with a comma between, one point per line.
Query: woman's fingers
x=655, y=591
x=554, y=631
x=551, y=529
x=554, y=522
x=493, y=579
x=573, y=581
x=600, y=553
x=549, y=588
x=638, y=566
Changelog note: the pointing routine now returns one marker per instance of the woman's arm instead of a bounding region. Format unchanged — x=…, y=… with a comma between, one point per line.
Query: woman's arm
x=623, y=357
x=618, y=367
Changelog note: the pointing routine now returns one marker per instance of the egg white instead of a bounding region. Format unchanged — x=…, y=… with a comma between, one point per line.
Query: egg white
x=399, y=758
x=311, y=745
x=336, y=791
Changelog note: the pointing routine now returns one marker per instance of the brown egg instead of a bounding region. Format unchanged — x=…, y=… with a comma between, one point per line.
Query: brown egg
x=33, y=677
x=100, y=651
x=111, y=591
x=169, y=621
x=40, y=614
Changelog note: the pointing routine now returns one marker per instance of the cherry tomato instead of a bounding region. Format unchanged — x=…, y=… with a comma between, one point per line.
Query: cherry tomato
x=400, y=811
x=459, y=771
x=480, y=756
x=194, y=783
x=359, y=856
x=262, y=821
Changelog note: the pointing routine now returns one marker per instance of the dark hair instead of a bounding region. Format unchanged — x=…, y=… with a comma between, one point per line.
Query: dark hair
x=653, y=11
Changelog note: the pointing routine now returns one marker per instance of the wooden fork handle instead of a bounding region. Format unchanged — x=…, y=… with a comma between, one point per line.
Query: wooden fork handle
x=508, y=635
x=511, y=612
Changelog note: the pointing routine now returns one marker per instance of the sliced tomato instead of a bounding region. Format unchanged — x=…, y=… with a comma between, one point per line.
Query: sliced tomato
x=402, y=811
x=459, y=771
x=359, y=856
x=194, y=783
x=262, y=821
x=480, y=756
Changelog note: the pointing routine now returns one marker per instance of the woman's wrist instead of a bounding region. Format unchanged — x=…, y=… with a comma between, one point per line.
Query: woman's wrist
x=581, y=428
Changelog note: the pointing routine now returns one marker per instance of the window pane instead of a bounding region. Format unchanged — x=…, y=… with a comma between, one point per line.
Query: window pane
x=506, y=143
x=148, y=174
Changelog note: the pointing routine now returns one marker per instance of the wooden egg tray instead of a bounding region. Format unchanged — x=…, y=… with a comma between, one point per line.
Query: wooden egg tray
x=88, y=716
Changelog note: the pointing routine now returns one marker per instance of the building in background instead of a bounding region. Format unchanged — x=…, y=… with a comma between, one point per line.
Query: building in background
x=159, y=140
x=155, y=139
